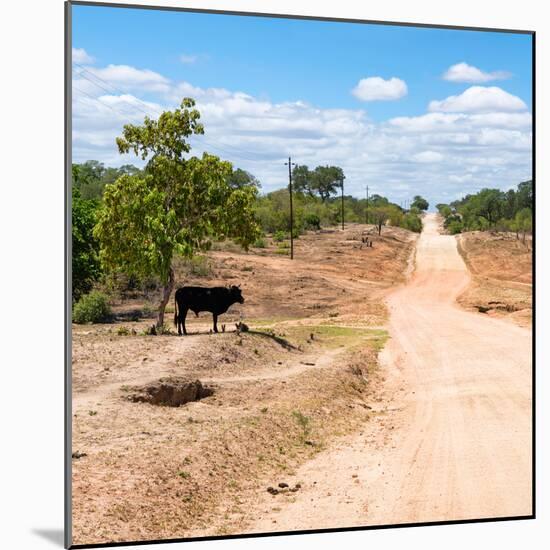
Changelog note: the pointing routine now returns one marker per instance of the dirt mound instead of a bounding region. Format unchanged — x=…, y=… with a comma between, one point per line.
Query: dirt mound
x=170, y=392
x=501, y=266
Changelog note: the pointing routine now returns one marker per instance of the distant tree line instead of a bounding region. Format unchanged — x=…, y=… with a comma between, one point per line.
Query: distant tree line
x=133, y=222
x=312, y=210
x=491, y=209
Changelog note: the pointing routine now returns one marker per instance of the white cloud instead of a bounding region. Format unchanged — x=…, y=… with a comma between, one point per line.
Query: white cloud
x=124, y=77
x=80, y=55
x=479, y=99
x=436, y=154
x=462, y=72
x=376, y=88
x=428, y=156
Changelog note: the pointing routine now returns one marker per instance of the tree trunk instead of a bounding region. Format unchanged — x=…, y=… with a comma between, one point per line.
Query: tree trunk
x=166, y=293
x=379, y=229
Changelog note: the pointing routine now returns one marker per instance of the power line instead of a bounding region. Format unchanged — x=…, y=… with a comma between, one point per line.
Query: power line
x=99, y=101
x=230, y=151
x=111, y=87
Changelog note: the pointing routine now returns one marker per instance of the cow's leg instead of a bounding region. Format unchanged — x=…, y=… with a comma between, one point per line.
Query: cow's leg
x=215, y=316
x=183, y=315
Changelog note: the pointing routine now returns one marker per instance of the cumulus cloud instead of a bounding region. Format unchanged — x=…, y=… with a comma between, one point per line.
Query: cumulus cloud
x=80, y=55
x=462, y=72
x=375, y=88
x=479, y=99
x=122, y=77
x=437, y=154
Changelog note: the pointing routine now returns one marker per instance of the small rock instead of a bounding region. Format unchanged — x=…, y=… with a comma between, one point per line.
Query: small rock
x=309, y=442
x=283, y=485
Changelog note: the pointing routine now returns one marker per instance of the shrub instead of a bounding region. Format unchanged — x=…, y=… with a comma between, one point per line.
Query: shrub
x=303, y=421
x=259, y=243
x=92, y=308
x=199, y=266
x=454, y=227
x=279, y=236
x=412, y=222
x=312, y=221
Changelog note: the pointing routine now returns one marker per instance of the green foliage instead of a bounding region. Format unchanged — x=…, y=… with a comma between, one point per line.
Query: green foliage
x=303, y=421
x=92, y=308
x=523, y=221
x=279, y=236
x=91, y=177
x=323, y=181
x=198, y=266
x=491, y=209
x=412, y=222
x=86, y=267
x=420, y=203
x=445, y=210
x=240, y=178
x=177, y=206
x=312, y=221
x=455, y=227
x=260, y=243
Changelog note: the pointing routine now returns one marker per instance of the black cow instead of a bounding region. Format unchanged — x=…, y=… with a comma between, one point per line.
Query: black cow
x=215, y=299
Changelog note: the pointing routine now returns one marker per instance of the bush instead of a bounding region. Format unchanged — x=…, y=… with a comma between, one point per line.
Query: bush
x=92, y=308
x=312, y=221
x=279, y=236
x=455, y=227
x=259, y=243
x=412, y=222
x=199, y=266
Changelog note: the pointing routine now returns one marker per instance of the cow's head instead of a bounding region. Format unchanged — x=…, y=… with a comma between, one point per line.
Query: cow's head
x=236, y=294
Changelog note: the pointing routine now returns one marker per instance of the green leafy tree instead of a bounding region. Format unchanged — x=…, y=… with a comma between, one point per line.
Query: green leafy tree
x=241, y=178
x=524, y=221
x=380, y=215
x=177, y=206
x=421, y=203
x=301, y=180
x=86, y=267
x=525, y=195
x=326, y=181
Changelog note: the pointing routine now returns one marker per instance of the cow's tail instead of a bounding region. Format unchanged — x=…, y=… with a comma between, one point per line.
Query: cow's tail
x=175, y=311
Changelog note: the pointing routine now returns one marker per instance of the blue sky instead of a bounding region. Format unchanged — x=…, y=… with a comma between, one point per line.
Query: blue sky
x=300, y=71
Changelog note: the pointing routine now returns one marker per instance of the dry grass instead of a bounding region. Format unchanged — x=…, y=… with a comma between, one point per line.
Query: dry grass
x=304, y=375
x=501, y=268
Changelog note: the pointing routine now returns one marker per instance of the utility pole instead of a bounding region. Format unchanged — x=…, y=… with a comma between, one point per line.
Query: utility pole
x=342, y=183
x=290, y=165
x=367, y=207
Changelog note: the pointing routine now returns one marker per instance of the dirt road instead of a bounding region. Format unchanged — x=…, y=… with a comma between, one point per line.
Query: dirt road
x=454, y=438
